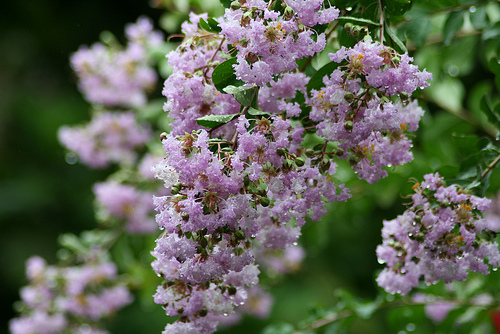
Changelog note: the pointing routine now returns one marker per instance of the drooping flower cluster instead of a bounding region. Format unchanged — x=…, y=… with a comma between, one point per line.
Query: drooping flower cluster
x=364, y=107
x=60, y=299
x=223, y=200
x=437, y=237
x=268, y=42
x=189, y=90
x=112, y=76
x=110, y=137
x=126, y=202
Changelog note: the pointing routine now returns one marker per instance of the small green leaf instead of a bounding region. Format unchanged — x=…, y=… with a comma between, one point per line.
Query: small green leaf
x=399, y=46
x=486, y=108
x=224, y=76
x=226, y=3
x=316, y=81
x=242, y=94
x=396, y=7
x=214, y=25
x=478, y=18
x=453, y=23
x=418, y=27
x=358, y=21
x=279, y=329
x=257, y=113
x=492, y=32
x=205, y=26
x=213, y=121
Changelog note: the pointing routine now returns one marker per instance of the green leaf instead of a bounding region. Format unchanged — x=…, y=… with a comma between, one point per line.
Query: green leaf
x=213, y=121
x=396, y=7
x=316, y=81
x=492, y=32
x=495, y=68
x=205, y=26
x=226, y=3
x=345, y=39
x=358, y=21
x=283, y=328
x=486, y=108
x=467, y=145
x=214, y=25
x=419, y=26
x=398, y=45
x=257, y=113
x=224, y=76
x=453, y=23
x=478, y=18
x=242, y=94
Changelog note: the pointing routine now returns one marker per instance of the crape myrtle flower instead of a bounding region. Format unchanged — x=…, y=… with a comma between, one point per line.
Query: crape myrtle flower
x=365, y=109
x=223, y=200
x=439, y=236
x=125, y=202
x=189, y=90
x=110, y=137
x=117, y=77
x=72, y=298
x=268, y=42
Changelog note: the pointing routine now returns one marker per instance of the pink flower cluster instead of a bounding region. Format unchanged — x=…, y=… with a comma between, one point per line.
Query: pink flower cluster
x=110, y=137
x=437, y=237
x=111, y=76
x=189, y=91
x=355, y=109
x=60, y=299
x=269, y=43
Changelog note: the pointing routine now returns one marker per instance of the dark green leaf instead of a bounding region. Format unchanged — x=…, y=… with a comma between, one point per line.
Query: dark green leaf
x=345, y=39
x=257, y=113
x=486, y=108
x=224, y=76
x=358, y=21
x=419, y=26
x=478, y=18
x=495, y=68
x=226, y=3
x=214, y=25
x=453, y=23
x=396, y=7
x=205, y=26
x=316, y=81
x=278, y=329
x=213, y=121
x=492, y=32
x=396, y=42
x=242, y=94
x=467, y=145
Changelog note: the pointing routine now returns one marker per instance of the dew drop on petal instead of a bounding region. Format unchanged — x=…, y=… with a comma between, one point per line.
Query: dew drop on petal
x=381, y=261
x=225, y=314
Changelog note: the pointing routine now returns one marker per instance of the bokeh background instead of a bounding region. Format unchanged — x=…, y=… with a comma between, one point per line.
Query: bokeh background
x=42, y=196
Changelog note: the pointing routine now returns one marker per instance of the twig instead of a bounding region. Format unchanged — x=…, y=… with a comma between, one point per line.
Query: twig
x=490, y=167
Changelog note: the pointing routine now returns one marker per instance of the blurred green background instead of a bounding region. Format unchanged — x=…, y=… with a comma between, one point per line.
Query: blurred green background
x=41, y=196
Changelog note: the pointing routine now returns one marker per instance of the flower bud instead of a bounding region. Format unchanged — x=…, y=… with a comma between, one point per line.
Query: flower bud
x=299, y=162
x=348, y=125
x=355, y=31
x=349, y=97
x=309, y=152
x=265, y=201
x=240, y=235
x=231, y=290
x=348, y=27
x=235, y=5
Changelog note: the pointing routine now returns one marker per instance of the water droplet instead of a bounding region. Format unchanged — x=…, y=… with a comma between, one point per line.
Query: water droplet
x=389, y=165
x=162, y=228
x=225, y=314
x=295, y=243
x=253, y=235
x=411, y=234
x=472, y=9
x=71, y=158
x=348, y=9
x=389, y=298
x=381, y=261
x=410, y=327
x=242, y=303
x=495, y=269
x=401, y=332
